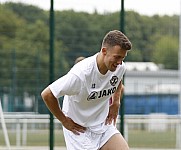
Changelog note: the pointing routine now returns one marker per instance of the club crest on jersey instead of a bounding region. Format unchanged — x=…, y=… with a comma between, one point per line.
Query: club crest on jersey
x=114, y=80
x=96, y=95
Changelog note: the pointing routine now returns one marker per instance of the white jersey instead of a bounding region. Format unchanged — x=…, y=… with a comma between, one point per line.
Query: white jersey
x=87, y=91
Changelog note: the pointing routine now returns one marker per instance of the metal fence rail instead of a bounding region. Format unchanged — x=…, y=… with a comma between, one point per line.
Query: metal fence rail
x=21, y=123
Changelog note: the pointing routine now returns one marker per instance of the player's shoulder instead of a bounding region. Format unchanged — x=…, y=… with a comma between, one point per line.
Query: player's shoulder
x=122, y=65
x=84, y=66
x=121, y=69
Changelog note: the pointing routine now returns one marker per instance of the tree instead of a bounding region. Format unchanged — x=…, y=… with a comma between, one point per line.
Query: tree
x=166, y=52
x=29, y=13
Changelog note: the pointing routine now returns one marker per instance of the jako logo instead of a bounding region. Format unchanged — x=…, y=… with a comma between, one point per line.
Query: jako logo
x=96, y=95
x=114, y=80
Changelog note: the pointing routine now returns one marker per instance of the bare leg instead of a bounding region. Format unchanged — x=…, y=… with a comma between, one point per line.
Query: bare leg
x=116, y=142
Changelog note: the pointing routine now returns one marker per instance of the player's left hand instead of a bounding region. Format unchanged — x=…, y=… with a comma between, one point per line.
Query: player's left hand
x=113, y=113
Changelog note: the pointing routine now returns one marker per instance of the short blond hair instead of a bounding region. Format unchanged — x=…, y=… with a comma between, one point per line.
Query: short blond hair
x=116, y=37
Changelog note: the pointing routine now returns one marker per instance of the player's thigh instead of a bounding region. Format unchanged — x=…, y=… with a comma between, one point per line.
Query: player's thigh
x=116, y=142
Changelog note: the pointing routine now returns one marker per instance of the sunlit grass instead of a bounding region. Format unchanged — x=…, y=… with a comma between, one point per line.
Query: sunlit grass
x=136, y=138
x=36, y=138
x=142, y=138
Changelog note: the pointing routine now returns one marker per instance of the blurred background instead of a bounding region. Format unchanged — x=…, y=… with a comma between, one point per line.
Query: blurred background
x=152, y=79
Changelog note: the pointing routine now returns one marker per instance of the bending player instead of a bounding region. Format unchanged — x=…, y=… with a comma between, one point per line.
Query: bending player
x=89, y=122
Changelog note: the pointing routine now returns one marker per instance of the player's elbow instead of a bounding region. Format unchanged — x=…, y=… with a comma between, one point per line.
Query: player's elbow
x=46, y=94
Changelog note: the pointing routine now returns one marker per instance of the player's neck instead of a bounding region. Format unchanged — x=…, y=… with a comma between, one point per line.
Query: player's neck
x=100, y=64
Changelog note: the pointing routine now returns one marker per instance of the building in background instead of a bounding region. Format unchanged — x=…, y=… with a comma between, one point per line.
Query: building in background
x=150, y=89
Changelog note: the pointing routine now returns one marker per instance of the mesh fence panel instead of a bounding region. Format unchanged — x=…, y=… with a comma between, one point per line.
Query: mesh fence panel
x=151, y=80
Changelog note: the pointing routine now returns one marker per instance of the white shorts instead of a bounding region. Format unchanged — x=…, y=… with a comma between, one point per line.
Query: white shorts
x=88, y=140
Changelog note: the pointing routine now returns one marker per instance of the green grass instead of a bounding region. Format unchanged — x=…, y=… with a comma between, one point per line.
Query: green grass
x=142, y=138
x=137, y=138
x=42, y=138
x=36, y=138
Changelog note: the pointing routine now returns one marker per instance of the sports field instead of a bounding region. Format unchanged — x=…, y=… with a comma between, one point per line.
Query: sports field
x=64, y=148
x=137, y=139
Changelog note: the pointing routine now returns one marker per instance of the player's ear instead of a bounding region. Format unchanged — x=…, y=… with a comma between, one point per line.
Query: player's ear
x=104, y=50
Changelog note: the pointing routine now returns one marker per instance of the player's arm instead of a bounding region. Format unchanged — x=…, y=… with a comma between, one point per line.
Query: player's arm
x=118, y=94
x=114, y=107
x=52, y=104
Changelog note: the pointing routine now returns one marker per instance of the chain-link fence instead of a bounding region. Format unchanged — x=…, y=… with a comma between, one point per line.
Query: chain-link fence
x=151, y=80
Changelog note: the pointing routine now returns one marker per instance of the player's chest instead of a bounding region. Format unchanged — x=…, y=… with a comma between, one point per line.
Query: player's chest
x=99, y=88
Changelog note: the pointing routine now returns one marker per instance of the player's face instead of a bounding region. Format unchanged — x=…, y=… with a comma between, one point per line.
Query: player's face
x=114, y=57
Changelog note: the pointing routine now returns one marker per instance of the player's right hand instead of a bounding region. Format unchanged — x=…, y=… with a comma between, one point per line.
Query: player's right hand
x=69, y=124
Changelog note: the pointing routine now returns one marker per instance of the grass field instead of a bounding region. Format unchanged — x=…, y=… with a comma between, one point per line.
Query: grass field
x=141, y=138
x=137, y=138
x=36, y=138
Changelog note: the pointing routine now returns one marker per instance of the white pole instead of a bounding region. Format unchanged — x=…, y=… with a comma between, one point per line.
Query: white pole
x=24, y=133
x=18, y=133
x=178, y=140
x=4, y=128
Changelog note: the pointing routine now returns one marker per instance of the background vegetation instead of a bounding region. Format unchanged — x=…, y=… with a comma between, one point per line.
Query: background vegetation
x=24, y=43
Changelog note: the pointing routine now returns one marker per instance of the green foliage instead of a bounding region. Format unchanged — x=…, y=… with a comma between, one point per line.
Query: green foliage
x=80, y=33
x=166, y=52
x=29, y=13
x=24, y=42
x=134, y=56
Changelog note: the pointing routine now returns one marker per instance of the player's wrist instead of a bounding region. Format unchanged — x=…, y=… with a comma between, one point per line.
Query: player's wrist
x=117, y=103
x=63, y=119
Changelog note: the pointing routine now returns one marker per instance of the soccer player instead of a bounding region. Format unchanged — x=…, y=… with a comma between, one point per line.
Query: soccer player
x=89, y=122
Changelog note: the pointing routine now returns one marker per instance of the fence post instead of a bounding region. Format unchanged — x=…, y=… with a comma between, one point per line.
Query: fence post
x=4, y=127
x=24, y=133
x=18, y=133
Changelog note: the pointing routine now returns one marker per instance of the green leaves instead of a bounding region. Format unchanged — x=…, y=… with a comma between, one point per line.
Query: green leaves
x=166, y=52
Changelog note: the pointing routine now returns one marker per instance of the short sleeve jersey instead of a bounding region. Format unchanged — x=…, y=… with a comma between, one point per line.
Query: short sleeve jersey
x=87, y=91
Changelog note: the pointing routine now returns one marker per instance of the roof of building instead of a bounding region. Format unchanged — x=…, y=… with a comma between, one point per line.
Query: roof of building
x=141, y=66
